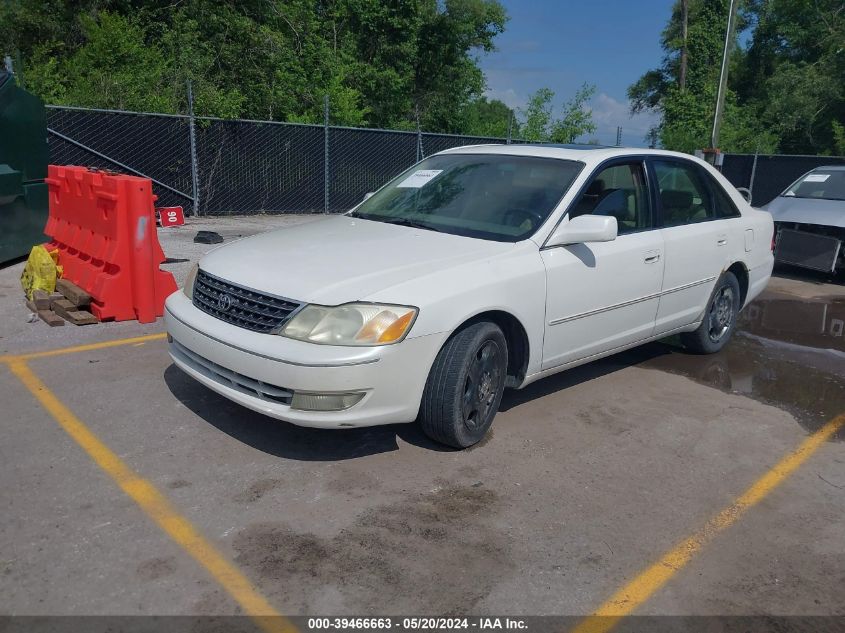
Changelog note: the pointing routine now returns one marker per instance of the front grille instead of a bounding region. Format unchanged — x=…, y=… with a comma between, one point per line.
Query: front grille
x=241, y=306
x=810, y=250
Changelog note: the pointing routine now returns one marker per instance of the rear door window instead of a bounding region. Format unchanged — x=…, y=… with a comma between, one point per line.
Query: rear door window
x=684, y=196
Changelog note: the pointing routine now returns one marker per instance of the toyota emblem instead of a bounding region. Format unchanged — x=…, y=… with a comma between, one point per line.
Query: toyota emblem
x=224, y=302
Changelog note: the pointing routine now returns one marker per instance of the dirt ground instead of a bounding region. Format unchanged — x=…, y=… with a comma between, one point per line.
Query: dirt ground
x=587, y=479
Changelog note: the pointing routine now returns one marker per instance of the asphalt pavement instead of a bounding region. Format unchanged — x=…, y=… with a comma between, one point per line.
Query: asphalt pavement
x=130, y=489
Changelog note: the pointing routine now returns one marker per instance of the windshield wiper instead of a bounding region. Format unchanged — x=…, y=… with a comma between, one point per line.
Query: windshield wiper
x=405, y=222
x=813, y=198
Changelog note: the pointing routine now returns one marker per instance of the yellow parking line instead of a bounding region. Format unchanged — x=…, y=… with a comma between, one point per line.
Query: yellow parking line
x=156, y=506
x=635, y=593
x=85, y=348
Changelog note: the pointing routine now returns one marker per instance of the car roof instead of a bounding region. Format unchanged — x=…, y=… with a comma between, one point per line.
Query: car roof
x=583, y=153
x=829, y=168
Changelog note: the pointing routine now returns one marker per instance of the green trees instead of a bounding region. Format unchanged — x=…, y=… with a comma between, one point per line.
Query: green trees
x=797, y=62
x=383, y=63
x=576, y=119
x=488, y=118
x=786, y=84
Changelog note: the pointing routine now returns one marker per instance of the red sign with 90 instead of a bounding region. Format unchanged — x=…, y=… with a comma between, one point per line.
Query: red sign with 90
x=171, y=216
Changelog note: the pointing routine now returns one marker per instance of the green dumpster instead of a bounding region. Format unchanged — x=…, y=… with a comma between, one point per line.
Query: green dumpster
x=23, y=167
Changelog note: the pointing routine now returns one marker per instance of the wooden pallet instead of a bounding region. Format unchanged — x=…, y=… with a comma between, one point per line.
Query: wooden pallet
x=69, y=303
x=73, y=293
x=70, y=312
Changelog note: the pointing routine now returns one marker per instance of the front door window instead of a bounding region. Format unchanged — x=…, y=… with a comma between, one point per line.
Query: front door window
x=620, y=191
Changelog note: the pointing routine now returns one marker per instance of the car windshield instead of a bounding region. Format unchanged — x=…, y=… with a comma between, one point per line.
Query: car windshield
x=487, y=196
x=821, y=184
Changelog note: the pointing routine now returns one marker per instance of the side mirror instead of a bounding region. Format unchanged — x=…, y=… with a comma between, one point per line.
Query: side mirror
x=368, y=195
x=585, y=228
x=746, y=193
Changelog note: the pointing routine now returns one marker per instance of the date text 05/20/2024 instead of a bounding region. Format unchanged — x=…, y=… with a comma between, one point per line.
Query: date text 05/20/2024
x=417, y=623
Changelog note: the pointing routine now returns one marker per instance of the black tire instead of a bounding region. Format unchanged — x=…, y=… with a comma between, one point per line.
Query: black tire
x=465, y=386
x=719, y=318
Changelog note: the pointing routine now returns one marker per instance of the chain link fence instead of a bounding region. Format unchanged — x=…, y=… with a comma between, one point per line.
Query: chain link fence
x=154, y=146
x=242, y=166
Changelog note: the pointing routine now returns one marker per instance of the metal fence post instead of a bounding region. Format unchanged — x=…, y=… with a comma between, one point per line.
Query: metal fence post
x=419, y=134
x=192, y=132
x=753, y=174
x=326, y=154
x=510, y=127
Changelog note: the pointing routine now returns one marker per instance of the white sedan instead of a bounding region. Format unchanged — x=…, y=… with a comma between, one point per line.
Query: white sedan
x=479, y=268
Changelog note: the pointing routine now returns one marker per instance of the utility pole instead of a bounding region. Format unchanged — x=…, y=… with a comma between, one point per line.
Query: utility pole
x=682, y=75
x=723, y=76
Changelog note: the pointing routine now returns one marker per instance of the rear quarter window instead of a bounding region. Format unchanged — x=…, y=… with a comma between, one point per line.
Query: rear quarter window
x=725, y=207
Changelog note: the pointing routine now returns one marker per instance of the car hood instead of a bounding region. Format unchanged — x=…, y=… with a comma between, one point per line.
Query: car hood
x=807, y=211
x=340, y=259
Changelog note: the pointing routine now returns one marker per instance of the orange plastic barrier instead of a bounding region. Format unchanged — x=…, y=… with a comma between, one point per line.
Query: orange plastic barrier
x=105, y=229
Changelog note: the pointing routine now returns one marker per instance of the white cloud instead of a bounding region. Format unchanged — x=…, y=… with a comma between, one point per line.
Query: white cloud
x=608, y=113
x=509, y=97
x=607, y=110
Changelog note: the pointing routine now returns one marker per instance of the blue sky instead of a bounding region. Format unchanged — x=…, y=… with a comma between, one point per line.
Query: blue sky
x=560, y=44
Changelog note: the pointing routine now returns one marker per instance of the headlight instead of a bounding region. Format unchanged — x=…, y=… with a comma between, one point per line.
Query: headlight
x=188, y=288
x=351, y=324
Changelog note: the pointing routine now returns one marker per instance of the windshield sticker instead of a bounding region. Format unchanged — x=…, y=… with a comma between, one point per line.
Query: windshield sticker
x=419, y=178
x=817, y=177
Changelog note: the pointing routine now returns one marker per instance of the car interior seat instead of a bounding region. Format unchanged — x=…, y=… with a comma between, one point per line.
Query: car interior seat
x=677, y=206
x=620, y=204
x=590, y=199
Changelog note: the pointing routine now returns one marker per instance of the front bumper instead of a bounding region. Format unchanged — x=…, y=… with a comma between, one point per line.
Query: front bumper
x=261, y=371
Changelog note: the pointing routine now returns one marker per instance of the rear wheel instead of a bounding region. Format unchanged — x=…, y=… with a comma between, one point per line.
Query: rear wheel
x=719, y=318
x=465, y=386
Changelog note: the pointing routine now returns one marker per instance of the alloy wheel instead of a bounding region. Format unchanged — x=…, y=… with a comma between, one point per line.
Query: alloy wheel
x=483, y=382
x=721, y=314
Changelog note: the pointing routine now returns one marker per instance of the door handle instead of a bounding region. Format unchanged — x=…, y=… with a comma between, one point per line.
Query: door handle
x=721, y=240
x=652, y=257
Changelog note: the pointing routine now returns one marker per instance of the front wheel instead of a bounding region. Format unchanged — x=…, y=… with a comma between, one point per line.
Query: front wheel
x=719, y=318
x=465, y=386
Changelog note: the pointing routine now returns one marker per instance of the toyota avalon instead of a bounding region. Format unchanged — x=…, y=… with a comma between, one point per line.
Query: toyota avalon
x=479, y=269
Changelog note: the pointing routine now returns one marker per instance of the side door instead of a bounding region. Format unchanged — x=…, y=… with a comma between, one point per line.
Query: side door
x=696, y=236
x=604, y=295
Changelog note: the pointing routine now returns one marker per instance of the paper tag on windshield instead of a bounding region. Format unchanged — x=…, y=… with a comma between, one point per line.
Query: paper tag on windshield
x=419, y=178
x=817, y=177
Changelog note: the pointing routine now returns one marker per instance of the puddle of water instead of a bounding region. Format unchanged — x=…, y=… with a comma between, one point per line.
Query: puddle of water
x=816, y=323
x=786, y=352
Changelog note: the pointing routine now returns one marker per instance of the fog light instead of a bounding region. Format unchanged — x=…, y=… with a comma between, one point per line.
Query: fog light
x=325, y=401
